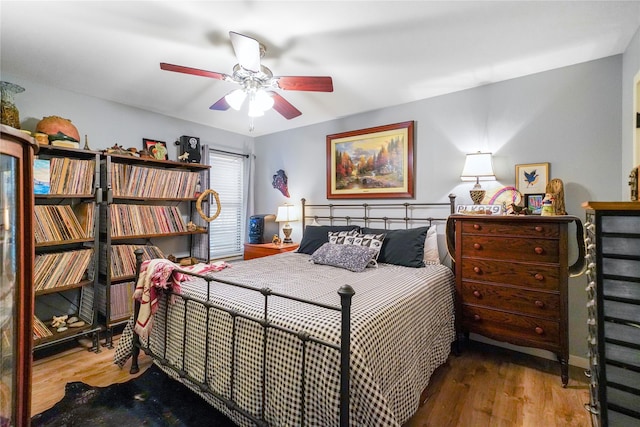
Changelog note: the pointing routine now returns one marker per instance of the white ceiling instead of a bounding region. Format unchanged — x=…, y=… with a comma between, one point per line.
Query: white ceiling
x=379, y=53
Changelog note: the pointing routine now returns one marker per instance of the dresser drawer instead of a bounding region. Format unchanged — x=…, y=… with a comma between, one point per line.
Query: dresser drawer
x=510, y=327
x=623, y=399
x=621, y=289
x=620, y=224
x=528, y=229
x=621, y=267
x=622, y=376
x=510, y=248
x=537, y=276
x=541, y=304
x=619, y=246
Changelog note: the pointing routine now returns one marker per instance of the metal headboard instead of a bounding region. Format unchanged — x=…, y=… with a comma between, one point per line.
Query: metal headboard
x=366, y=214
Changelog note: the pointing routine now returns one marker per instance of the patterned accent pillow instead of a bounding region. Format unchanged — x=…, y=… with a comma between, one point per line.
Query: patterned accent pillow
x=350, y=257
x=316, y=235
x=373, y=241
x=339, y=237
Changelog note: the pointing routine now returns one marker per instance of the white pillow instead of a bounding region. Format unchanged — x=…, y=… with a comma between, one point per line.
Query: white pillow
x=431, y=252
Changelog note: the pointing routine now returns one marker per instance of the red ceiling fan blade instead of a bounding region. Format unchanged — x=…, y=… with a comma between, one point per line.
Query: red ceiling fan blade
x=220, y=105
x=194, y=71
x=306, y=83
x=247, y=51
x=284, y=107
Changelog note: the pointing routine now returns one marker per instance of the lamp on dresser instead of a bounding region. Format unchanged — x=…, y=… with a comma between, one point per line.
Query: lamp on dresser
x=478, y=166
x=286, y=214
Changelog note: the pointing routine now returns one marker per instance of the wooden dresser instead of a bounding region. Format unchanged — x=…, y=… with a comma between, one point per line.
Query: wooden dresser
x=511, y=280
x=258, y=250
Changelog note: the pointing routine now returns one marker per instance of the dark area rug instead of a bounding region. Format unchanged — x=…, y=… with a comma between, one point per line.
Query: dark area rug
x=152, y=399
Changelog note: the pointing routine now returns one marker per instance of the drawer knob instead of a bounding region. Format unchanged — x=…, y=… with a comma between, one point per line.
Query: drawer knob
x=539, y=304
x=477, y=246
x=538, y=228
x=477, y=317
x=539, y=330
x=477, y=294
x=477, y=227
x=477, y=270
x=539, y=277
x=539, y=250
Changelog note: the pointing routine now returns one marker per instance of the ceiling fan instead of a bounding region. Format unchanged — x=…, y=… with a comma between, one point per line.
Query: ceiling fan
x=257, y=81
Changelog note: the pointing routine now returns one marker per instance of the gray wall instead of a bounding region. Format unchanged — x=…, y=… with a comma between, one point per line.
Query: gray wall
x=630, y=106
x=569, y=117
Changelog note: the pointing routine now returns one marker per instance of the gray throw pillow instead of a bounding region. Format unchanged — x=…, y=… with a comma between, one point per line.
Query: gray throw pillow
x=350, y=257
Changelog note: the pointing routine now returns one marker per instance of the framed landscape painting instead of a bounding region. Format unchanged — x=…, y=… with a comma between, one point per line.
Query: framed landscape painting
x=371, y=163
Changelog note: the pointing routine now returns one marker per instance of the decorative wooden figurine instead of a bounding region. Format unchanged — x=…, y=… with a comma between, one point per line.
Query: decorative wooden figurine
x=555, y=188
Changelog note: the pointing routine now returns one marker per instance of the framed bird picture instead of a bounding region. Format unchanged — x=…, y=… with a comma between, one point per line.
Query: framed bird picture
x=532, y=178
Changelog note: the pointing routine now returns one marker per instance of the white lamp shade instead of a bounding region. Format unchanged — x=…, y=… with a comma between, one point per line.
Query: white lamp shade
x=286, y=213
x=263, y=100
x=478, y=166
x=236, y=98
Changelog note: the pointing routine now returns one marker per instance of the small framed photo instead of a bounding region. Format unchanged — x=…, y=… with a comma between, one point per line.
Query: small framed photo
x=157, y=149
x=534, y=203
x=532, y=178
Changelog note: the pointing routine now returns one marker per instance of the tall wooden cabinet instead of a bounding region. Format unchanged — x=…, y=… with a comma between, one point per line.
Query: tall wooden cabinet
x=67, y=197
x=16, y=281
x=511, y=280
x=146, y=203
x=613, y=307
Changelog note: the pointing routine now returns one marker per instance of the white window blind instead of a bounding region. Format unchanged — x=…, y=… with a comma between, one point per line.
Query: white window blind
x=227, y=179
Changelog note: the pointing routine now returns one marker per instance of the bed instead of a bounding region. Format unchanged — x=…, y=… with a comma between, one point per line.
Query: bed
x=269, y=341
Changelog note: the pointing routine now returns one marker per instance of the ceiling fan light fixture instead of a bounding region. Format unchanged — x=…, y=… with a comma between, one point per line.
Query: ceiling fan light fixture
x=254, y=110
x=236, y=98
x=263, y=100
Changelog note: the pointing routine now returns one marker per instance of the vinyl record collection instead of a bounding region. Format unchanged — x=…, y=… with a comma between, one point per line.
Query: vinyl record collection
x=71, y=176
x=136, y=181
x=55, y=223
x=123, y=259
x=40, y=330
x=121, y=301
x=132, y=220
x=56, y=269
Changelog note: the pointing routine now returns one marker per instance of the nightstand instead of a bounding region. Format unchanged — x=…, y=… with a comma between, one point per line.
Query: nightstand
x=259, y=250
x=511, y=280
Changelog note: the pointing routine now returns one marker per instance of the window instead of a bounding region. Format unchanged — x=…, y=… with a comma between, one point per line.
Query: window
x=227, y=178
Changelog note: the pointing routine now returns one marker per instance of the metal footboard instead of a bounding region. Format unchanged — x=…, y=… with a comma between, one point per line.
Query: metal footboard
x=346, y=293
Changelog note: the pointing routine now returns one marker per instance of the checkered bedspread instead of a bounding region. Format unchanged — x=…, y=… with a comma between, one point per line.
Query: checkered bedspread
x=402, y=328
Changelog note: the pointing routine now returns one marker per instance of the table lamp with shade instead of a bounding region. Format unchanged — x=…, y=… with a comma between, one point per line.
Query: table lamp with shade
x=286, y=214
x=478, y=166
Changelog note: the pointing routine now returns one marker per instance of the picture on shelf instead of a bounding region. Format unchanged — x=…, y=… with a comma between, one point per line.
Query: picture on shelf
x=157, y=149
x=41, y=176
x=534, y=203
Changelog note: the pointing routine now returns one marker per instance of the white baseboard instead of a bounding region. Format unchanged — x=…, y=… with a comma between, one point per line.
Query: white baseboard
x=580, y=362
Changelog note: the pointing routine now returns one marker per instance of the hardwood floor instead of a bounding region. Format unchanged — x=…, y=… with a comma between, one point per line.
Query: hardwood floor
x=484, y=386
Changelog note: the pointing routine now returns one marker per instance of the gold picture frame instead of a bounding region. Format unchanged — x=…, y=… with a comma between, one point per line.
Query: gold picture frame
x=371, y=163
x=532, y=178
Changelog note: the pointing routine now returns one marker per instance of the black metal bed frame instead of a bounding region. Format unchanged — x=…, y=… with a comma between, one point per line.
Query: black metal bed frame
x=345, y=292
x=366, y=212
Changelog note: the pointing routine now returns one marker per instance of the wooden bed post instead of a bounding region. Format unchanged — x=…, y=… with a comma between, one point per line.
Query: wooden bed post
x=346, y=292
x=135, y=339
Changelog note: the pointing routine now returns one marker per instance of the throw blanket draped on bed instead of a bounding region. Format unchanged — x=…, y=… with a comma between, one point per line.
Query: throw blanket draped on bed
x=156, y=274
